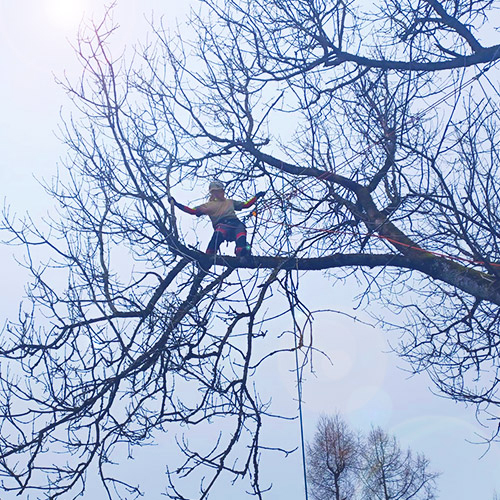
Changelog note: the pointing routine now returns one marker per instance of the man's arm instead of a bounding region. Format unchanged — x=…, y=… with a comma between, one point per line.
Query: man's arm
x=185, y=208
x=251, y=201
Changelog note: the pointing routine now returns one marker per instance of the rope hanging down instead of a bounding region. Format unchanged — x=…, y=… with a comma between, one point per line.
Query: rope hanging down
x=297, y=345
x=298, y=373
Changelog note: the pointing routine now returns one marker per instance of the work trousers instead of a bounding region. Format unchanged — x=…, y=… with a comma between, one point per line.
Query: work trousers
x=229, y=230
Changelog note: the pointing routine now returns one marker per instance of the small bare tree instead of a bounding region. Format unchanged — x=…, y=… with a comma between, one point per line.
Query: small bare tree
x=332, y=460
x=389, y=473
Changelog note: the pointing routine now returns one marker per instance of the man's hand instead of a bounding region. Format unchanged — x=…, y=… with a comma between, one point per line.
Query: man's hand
x=260, y=194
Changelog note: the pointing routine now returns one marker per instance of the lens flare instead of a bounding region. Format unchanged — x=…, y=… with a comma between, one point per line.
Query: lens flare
x=65, y=14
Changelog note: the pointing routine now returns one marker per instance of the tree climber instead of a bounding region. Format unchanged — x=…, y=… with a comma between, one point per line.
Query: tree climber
x=227, y=227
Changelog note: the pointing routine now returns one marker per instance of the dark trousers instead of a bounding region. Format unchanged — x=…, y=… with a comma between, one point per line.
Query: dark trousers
x=229, y=230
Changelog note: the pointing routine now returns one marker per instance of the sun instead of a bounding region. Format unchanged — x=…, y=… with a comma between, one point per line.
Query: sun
x=64, y=14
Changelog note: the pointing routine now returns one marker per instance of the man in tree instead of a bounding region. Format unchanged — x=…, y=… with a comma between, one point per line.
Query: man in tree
x=341, y=109
x=221, y=210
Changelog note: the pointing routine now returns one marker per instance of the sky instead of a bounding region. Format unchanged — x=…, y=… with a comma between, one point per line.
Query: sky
x=366, y=382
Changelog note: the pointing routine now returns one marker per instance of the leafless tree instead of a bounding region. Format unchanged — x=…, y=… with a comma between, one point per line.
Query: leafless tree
x=376, y=136
x=389, y=473
x=333, y=460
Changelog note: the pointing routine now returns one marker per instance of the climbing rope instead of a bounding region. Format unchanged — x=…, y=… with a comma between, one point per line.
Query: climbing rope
x=386, y=238
x=298, y=371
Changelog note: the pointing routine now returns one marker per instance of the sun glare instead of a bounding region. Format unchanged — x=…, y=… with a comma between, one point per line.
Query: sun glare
x=65, y=14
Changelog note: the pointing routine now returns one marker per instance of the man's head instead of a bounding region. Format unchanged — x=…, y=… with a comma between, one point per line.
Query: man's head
x=216, y=186
x=216, y=190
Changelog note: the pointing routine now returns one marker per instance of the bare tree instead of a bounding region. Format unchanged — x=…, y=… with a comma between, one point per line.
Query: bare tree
x=374, y=133
x=389, y=473
x=333, y=460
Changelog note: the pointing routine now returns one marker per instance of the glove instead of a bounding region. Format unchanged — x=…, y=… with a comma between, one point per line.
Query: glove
x=260, y=194
x=171, y=200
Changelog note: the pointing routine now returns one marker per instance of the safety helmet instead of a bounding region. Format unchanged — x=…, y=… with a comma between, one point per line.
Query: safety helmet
x=215, y=186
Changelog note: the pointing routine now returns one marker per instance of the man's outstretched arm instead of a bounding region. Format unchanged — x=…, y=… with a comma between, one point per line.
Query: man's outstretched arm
x=251, y=201
x=185, y=208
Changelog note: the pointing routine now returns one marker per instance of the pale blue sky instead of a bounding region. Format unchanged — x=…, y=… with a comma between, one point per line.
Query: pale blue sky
x=364, y=383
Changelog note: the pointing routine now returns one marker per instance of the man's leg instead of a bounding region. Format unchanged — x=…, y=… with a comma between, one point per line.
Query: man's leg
x=212, y=248
x=216, y=240
x=242, y=247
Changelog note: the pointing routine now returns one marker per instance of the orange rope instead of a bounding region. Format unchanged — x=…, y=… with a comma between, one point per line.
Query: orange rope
x=389, y=239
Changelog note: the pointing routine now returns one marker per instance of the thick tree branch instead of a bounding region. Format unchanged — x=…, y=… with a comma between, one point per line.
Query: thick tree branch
x=456, y=25
x=482, y=55
x=302, y=171
x=476, y=283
